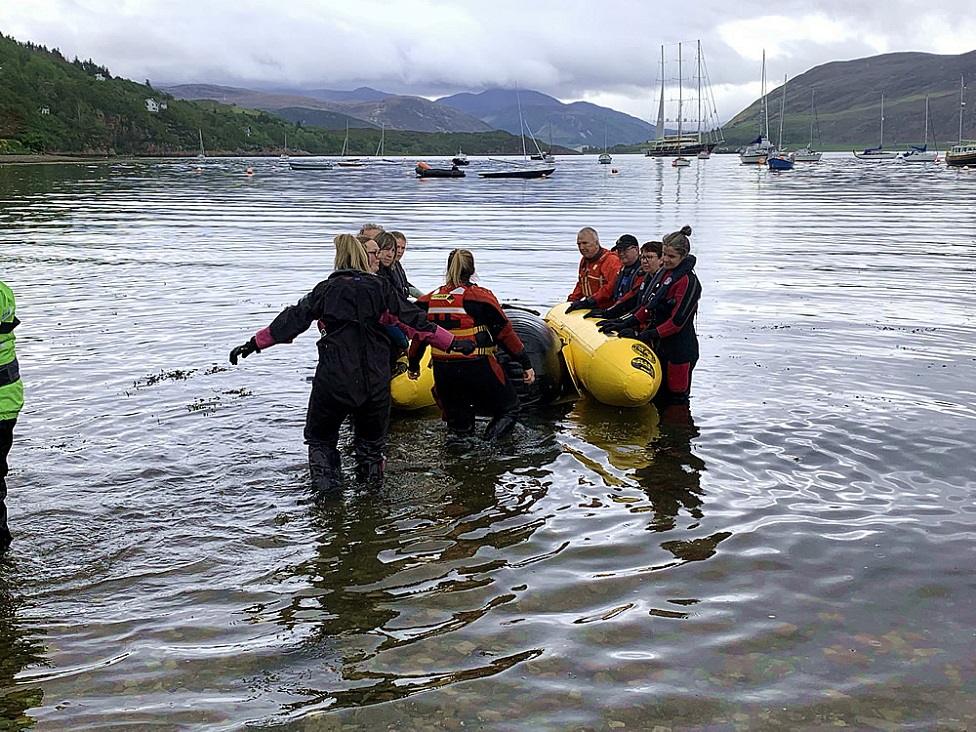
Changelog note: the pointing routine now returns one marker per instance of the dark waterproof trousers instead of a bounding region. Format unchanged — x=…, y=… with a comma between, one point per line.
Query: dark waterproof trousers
x=370, y=425
x=465, y=388
x=6, y=441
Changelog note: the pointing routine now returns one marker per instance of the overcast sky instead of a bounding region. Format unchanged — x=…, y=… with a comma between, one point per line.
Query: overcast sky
x=604, y=51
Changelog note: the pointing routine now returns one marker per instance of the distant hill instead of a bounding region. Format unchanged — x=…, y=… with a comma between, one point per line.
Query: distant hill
x=322, y=118
x=362, y=94
x=53, y=105
x=578, y=123
x=848, y=97
x=396, y=112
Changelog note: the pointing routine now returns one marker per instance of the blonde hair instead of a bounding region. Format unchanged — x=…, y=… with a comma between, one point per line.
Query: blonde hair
x=460, y=267
x=350, y=254
x=679, y=241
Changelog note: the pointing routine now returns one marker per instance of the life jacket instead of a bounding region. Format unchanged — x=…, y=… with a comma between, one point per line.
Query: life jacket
x=591, y=273
x=446, y=309
x=11, y=387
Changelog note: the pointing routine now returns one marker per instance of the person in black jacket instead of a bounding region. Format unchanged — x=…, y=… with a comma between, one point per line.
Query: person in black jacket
x=353, y=373
x=666, y=320
x=398, y=272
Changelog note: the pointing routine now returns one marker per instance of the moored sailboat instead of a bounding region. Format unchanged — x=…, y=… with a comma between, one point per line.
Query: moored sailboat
x=921, y=153
x=808, y=154
x=665, y=145
x=756, y=152
x=525, y=169
x=347, y=162
x=681, y=161
x=605, y=157
x=877, y=153
x=779, y=159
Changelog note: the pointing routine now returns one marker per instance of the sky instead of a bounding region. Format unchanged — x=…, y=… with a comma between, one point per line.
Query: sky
x=602, y=51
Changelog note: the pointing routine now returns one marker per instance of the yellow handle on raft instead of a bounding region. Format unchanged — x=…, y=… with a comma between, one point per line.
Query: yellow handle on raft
x=408, y=394
x=622, y=372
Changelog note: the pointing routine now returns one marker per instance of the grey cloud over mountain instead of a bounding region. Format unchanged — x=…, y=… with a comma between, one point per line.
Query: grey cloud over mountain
x=602, y=52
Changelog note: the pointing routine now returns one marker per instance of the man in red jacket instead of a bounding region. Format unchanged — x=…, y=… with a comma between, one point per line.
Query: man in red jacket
x=598, y=271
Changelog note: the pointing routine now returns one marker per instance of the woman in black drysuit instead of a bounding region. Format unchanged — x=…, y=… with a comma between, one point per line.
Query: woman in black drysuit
x=353, y=373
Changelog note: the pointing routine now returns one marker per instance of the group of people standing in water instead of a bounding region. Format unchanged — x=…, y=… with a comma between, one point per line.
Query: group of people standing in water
x=649, y=292
x=367, y=319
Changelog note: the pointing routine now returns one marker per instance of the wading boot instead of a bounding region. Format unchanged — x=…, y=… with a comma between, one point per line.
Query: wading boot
x=370, y=462
x=500, y=426
x=325, y=468
x=5, y=537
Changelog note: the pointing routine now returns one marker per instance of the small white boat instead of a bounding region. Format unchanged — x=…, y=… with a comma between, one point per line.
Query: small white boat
x=605, y=158
x=921, y=153
x=310, y=164
x=704, y=155
x=807, y=155
x=347, y=162
x=680, y=162
x=877, y=153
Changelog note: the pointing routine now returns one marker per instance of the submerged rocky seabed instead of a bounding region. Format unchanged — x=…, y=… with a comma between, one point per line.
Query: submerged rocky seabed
x=793, y=552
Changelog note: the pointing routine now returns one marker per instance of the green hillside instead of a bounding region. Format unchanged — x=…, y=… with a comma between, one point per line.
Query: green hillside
x=848, y=97
x=51, y=105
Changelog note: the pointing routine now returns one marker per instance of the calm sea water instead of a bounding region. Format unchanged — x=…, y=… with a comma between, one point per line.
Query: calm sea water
x=796, y=552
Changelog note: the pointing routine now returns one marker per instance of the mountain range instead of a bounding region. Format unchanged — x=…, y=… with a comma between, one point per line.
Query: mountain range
x=567, y=125
x=847, y=96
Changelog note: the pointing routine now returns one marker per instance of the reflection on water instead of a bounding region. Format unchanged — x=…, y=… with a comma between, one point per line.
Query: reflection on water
x=793, y=551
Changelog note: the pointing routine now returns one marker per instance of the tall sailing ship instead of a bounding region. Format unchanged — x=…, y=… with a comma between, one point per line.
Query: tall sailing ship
x=708, y=133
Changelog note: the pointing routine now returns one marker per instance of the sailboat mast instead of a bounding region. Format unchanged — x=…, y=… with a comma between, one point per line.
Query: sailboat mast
x=660, y=108
x=962, y=103
x=881, y=143
x=680, y=84
x=925, y=141
x=518, y=102
x=812, y=107
x=782, y=114
x=699, y=92
x=764, y=119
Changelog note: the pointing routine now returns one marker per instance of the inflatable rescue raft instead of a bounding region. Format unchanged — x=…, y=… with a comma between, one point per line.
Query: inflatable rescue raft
x=569, y=355
x=621, y=372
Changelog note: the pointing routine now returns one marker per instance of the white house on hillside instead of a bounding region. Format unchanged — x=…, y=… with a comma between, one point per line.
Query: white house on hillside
x=152, y=105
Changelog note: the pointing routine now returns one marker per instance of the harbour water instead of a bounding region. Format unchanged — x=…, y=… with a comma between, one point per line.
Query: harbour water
x=796, y=551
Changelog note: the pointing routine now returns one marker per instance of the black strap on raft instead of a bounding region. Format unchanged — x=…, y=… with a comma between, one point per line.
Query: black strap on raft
x=9, y=327
x=9, y=373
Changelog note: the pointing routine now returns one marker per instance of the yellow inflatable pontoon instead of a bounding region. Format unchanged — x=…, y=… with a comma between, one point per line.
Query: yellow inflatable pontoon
x=410, y=395
x=622, y=372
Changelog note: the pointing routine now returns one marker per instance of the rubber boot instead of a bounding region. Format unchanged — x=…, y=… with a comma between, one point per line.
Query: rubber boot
x=325, y=468
x=500, y=426
x=5, y=537
x=458, y=437
x=370, y=462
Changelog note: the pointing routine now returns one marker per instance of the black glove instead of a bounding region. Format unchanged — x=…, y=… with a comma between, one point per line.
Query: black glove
x=615, y=326
x=462, y=345
x=583, y=304
x=650, y=337
x=627, y=333
x=596, y=313
x=243, y=351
